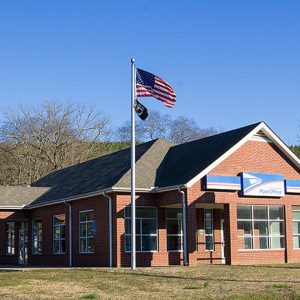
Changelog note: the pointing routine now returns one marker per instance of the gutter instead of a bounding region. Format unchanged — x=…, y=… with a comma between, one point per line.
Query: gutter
x=100, y=192
x=13, y=207
x=110, y=229
x=185, y=254
x=70, y=233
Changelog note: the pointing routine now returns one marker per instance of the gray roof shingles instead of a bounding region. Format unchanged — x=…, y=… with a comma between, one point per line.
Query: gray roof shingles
x=159, y=163
x=19, y=196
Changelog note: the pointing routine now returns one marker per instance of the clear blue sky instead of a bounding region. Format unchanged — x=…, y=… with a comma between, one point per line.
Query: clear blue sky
x=232, y=63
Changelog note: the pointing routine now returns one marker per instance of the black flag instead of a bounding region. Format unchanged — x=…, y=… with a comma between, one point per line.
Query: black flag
x=141, y=110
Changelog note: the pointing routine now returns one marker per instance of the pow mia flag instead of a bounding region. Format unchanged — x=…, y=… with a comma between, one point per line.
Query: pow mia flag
x=141, y=110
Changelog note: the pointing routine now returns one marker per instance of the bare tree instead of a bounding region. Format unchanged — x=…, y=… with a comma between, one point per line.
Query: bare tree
x=51, y=137
x=159, y=125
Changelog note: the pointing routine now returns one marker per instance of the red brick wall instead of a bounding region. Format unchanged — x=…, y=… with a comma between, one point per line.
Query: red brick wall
x=252, y=157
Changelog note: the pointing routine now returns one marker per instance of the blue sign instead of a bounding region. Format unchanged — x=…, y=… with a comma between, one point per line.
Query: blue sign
x=230, y=183
x=292, y=186
x=262, y=185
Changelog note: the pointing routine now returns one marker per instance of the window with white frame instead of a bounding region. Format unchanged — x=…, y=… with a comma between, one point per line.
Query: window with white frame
x=174, y=229
x=296, y=227
x=37, y=232
x=146, y=229
x=10, y=238
x=209, y=230
x=59, y=234
x=86, y=231
x=260, y=227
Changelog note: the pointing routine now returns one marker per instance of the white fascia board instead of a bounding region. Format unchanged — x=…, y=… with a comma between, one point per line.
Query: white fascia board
x=263, y=127
x=225, y=155
x=281, y=145
x=96, y=193
x=12, y=207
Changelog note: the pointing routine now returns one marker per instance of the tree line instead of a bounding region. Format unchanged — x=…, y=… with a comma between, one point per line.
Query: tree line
x=37, y=141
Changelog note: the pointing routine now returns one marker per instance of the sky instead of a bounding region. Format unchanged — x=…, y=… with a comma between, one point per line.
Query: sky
x=232, y=63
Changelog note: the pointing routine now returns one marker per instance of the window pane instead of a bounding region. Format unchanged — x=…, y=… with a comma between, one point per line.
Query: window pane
x=83, y=245
x=244, y=227
x=209, y=244
x=82, y=216
x=173, y=227
x=260, y=228
x=149, y=226
x=174, y=243
x=146, y=213
x=90, y=228
x=127, y=226
x=90, y=216
x=260, y=212
x=149, y=243
x=276, y=212
x=63, y=232
x=127, y=212
x=276, y=228
x=56, y=246
x=174, y=212
x=296, y=227
x=128, y=243
x=244, y=212
x=90, y=244
x=208, y=227
x=277, y=242
x=63, y=246
x=56, y=232
x=263, y=243
x=296, y=241
x=82, y=230
x=208, y=215
x=296, y=215
x=59, y=219
x=245, y=243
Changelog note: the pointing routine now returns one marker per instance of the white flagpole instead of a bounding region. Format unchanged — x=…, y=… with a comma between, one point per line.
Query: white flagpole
x=133, y=250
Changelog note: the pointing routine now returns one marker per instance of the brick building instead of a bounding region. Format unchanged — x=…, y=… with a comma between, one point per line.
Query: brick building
x=231, y=198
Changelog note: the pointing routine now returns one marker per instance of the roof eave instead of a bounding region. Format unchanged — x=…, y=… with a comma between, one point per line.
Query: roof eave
x=261, y=126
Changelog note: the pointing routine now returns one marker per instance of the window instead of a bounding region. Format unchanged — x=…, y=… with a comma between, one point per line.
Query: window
x=260, y=227
x=174, y=229
x=59, y=234
x=36, y=236
x=10, y=238
x=296, y=227
x=87, y=229
x=209, y=231
x=146, y=229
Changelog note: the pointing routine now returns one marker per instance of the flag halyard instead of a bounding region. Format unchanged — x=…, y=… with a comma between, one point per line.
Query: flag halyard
x=150, y=85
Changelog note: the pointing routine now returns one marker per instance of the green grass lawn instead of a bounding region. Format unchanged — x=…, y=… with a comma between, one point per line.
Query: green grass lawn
x=202, y=282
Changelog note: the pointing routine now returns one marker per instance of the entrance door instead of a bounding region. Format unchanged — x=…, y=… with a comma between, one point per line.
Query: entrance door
x=223, y=242
x=23, y=243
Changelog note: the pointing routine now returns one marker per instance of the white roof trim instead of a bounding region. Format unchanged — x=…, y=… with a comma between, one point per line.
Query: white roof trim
x=268, y=132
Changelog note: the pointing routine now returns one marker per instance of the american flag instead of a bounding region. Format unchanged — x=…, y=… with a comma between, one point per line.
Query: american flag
x=149, y=85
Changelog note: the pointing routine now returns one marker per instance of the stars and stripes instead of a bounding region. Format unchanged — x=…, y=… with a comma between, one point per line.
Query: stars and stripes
x=149, y=85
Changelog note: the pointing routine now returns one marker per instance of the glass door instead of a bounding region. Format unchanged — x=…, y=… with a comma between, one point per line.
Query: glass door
x=23, y=243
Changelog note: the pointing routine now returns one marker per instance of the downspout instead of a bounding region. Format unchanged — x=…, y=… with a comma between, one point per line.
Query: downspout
x=110, y=228
x=70, y=233
x=185, y=258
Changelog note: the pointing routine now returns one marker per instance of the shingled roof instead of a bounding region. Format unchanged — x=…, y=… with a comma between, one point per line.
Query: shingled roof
x=159, y=164
x=19, y=196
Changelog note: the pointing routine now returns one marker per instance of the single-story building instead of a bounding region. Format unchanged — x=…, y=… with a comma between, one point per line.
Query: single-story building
x=230, y=198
